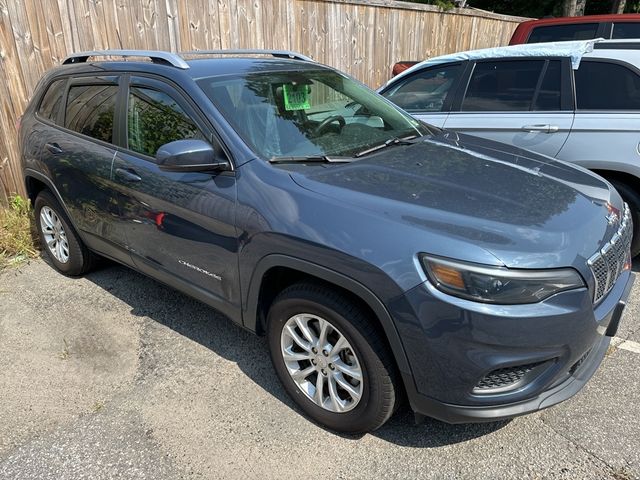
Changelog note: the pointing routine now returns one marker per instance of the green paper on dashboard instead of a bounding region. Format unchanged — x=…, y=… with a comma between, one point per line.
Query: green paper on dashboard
x=296, y=97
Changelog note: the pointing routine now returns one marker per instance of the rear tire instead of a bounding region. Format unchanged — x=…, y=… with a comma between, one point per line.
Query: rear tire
x=346, y=379
x=58, y=238
x=632, y=198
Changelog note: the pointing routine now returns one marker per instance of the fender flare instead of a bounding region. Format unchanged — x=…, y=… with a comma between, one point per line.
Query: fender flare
x=30, y=173
x=250, y=313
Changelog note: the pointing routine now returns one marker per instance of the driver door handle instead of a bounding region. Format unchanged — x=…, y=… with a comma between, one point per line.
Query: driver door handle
x=541, y=128
x=127, y=175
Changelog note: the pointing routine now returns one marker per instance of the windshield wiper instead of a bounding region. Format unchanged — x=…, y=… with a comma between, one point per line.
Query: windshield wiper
x=312, y=159
x=389, y=143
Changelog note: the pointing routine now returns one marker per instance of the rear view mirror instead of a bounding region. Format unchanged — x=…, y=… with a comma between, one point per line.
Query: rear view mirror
x=190, y=156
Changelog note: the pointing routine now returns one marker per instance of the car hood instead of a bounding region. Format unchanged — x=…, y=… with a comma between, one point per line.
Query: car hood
x=527, y=210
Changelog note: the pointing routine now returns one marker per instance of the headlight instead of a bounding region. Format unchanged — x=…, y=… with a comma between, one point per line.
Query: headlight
x=488, y=284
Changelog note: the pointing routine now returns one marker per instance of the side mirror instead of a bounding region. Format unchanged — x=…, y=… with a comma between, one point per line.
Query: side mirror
x=190, y=156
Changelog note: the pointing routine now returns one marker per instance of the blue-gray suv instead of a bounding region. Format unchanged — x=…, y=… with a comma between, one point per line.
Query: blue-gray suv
x=383, y=258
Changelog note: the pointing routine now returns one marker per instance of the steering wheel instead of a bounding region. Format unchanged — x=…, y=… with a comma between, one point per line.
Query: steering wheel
x=328, y=121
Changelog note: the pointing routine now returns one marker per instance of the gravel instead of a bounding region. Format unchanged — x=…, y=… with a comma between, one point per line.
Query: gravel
x=116, y=376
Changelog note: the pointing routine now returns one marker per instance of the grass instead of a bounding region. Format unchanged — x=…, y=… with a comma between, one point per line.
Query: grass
x=17, y=234
x=622, y=474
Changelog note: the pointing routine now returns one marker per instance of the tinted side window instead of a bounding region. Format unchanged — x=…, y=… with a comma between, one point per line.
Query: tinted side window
x=90, y=110
x=50, y=105
x=503, y=86
x=548, y=97
x=154, y=118
x=557, y=33
x=626, y=30
x=606, y=86
x=425, y=91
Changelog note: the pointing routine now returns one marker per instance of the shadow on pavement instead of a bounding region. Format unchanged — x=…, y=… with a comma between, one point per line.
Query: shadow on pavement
x=206, y=326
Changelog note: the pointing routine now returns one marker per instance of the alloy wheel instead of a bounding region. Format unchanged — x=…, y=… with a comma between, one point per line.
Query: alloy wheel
x=321, y=362
x=54, y=234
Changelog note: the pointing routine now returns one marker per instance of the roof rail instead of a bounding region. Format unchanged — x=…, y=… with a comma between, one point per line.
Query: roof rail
x=165, y=58
x=243, y=51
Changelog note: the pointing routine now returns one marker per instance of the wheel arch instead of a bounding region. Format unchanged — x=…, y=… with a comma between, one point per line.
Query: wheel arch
x=35, y=182
x=620, y=176
x=261, y=293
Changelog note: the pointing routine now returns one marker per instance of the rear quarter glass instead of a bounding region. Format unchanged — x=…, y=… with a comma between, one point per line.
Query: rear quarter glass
x=49, y=107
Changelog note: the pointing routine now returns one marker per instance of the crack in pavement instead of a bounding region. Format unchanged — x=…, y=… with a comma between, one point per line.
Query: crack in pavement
x=613, y=470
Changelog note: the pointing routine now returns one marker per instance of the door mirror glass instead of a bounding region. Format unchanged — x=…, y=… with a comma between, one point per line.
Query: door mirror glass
x=190, y=156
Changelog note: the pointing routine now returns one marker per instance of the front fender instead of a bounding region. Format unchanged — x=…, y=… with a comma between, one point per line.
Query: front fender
x=250, y=309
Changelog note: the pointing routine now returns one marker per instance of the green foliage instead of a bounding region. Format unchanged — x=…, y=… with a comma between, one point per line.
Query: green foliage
x=521, y=8
x=534, y=8
x=19, y=205
x=16, y=232
x=443, y=4
x=595, y=7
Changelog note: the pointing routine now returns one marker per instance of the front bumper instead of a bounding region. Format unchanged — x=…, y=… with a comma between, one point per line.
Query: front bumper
x=452, y=345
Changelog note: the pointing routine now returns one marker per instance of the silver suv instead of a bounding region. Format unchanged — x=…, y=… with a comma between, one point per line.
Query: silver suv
x=574, y=101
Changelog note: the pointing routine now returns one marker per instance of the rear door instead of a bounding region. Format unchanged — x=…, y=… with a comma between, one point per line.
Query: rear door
x=606, y=130
x=77, y=135
x=522, y=102
x=179, y=226
x=427, y=93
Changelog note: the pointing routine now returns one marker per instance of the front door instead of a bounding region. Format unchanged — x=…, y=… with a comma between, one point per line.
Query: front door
x=426, y=93
x=179, y=226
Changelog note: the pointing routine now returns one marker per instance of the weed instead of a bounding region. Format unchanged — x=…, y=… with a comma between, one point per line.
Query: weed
x=17, y=232
x=621, y=473
x=65, y=353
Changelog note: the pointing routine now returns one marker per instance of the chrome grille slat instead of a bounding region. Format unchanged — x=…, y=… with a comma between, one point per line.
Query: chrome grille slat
x=608, y=264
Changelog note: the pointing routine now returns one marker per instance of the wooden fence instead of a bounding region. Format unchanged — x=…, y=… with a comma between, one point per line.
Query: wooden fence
x=362, y=37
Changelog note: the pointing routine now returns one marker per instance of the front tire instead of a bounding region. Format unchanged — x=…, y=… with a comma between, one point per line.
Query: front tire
x=58, y=237
x=331, y=359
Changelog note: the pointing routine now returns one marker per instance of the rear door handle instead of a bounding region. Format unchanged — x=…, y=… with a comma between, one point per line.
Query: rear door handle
x=541, y=128
x=54, y=148
x=127, y=175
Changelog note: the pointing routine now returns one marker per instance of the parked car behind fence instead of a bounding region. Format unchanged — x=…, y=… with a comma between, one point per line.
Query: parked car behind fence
x=613, y=26
x=573, y=101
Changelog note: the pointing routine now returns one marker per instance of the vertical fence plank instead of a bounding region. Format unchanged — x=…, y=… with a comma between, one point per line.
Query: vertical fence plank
x=59, y=44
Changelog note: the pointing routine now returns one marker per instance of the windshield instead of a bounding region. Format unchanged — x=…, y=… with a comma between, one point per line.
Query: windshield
x=318, y=113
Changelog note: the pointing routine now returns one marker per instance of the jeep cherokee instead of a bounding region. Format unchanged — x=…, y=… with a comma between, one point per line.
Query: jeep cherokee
x=383, y=259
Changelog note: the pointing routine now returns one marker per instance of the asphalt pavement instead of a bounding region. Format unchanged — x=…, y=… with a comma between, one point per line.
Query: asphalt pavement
x=116, y=376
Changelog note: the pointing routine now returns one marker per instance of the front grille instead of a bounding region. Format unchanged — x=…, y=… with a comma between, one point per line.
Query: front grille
x=607, y=264
x=504, y=377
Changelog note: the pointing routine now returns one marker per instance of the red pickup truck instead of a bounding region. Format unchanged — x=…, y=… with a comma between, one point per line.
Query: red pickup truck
x=566, y=28
x=577, y=28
